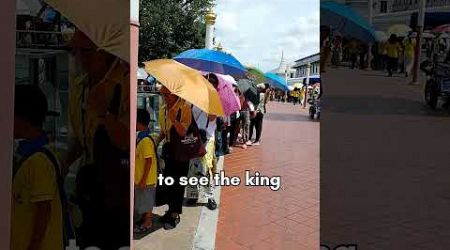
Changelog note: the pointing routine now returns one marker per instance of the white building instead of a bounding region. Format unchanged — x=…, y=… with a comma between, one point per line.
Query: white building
x=390, y=12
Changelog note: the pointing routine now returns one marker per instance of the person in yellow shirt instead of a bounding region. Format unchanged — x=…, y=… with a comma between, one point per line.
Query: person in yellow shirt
x=392, y=49
x=37, y=210
x=174, y=114
x=145, y=174
x=409, y=44
x=99, y=143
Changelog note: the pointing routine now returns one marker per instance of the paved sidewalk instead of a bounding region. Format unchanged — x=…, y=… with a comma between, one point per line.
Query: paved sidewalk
x=384, y=164
x=258, y=218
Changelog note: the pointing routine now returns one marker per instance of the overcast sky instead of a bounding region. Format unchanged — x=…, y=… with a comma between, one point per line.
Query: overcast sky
x=255, y=31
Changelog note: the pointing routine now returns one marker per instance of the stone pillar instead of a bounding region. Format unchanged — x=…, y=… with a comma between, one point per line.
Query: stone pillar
x=134, y=48
x=7, y=47
x=210, y=20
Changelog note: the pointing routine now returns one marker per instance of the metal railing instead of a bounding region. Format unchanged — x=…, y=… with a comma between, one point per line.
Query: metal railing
x=40, y=39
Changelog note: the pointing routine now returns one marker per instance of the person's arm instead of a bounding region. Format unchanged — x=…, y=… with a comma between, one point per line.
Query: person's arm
x=74, y=151
x=147, y=167
x=185, y=121
x=41, y=221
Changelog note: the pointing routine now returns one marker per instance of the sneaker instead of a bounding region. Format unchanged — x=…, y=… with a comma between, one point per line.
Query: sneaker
x=212, y=205
x=256, y=143
x=171, y=223
x=248, y=143
x=243, y=146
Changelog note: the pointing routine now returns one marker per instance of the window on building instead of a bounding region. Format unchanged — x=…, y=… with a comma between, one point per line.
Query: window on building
x=383, y=7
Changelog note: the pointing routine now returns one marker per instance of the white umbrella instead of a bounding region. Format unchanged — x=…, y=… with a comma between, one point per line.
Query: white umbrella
x=105, y=22
x=141, y=74
x=380, y=36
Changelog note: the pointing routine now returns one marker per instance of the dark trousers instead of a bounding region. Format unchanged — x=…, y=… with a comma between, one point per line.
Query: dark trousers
x=353, y=58
x=175, y=193
x=257, y=124
x=391, y=64
x=233, y=129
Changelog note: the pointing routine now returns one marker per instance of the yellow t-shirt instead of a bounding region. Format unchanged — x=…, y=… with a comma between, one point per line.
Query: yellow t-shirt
x=145, y=150
x=392, y=49
x=409, y=48
x=166, y=124
x=87, y=106
x=35, y=181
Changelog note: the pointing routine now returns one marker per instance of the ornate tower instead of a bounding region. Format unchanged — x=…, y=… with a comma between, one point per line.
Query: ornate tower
x=210, y=19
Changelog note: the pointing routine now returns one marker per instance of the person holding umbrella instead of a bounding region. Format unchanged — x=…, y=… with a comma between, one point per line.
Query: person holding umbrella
x=100, y=144
x=204, y=166
x=175, y=113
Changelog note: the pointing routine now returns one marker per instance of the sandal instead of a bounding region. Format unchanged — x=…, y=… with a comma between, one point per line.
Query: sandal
x=142, y=229
x=171, y=222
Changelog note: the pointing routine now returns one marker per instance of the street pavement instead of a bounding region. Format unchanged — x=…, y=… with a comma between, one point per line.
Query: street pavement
x=384, y=164
x=259, y=218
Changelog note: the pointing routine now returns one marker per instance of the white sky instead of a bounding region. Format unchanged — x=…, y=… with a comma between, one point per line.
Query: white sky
x=256, y=31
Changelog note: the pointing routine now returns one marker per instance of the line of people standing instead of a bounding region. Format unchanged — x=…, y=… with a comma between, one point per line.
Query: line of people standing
x=218, y=135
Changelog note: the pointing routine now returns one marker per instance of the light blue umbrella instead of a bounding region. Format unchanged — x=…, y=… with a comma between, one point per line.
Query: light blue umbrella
x=212, y=61
x=348, y=22
x=276, y=81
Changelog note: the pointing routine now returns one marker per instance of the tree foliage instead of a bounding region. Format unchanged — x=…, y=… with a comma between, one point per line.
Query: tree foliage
x=171, y=26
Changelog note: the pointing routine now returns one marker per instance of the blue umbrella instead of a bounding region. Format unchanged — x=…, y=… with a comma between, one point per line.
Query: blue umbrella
x=211, y=61
x=345, y=20
x=276, y=81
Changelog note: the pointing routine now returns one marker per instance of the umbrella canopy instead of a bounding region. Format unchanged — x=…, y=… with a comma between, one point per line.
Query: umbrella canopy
x=380, y=36
x=276, y=81
x=230, y=101
x=186, y=83
x=445, y=28
x=400, y=30
x=249, y=90
x=344, y=19
x=141, y=74
x=211, y=61
x=108, y=30
x=256, y=74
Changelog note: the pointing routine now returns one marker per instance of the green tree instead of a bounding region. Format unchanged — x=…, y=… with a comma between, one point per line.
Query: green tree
x=171, y=26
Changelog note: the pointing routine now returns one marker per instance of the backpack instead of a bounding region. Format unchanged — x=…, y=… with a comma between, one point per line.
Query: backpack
x=68, y=229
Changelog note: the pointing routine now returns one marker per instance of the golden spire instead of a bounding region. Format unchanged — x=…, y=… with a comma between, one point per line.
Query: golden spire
x=210, y=17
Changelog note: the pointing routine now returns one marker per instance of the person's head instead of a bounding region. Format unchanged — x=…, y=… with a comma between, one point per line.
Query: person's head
x=169, y=97
x=212, y=78
x=30, y=111
x=393, y=38
x=142, y=120
x=94, y=60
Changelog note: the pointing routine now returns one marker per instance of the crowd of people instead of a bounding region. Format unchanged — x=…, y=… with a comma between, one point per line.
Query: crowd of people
x=219, y=136
x=394, y=55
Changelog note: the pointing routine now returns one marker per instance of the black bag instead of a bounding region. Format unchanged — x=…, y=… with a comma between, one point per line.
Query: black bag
x=189, y=146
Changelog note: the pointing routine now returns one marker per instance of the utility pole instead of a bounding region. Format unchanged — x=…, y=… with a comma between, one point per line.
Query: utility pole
x=369, y=52
x=418, y=49
x=308, y=72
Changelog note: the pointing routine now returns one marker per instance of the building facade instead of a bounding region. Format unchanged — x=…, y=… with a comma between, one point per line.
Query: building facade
x=301, y=66
x=389, y=12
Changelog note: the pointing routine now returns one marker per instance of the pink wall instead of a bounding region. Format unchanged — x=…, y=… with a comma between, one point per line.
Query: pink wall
x=7, y=72
x=134, y=44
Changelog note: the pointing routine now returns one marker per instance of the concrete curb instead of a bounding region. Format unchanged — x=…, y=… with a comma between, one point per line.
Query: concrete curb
x=205, y=236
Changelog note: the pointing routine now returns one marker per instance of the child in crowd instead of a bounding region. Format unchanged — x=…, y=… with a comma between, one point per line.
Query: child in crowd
x=145, y=174
x=37, y=213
